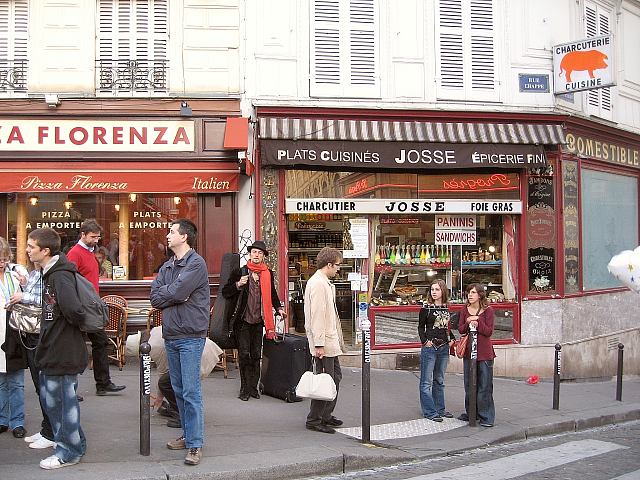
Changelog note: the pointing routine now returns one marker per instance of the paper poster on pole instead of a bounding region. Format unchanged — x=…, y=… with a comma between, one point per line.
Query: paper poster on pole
x=357, y=238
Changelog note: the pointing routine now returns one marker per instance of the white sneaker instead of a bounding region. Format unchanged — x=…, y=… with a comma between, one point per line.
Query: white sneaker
x=53, y=462
x=42, y=443
x=33, y=438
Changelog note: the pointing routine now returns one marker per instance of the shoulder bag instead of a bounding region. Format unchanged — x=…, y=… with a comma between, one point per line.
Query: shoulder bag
x=25, y=318
x=461, y=345
x=316, y=386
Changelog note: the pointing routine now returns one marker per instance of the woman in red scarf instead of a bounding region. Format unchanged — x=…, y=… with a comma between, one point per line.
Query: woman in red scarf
x=255, y=295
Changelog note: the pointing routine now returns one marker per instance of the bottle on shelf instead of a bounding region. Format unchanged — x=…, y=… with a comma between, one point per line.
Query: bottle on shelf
x=447, y=259
x=392, y=257
x=408, y=259
x=377, y=257
x=424, y=256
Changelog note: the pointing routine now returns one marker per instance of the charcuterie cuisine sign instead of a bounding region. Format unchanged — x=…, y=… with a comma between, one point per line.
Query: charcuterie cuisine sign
x=583, y=65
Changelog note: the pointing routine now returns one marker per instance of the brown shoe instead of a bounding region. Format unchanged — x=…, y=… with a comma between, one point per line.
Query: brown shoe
x=177, y=444
x=193, y=456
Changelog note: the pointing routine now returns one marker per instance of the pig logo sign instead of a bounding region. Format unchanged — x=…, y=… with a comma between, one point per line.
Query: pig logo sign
x=583, y=65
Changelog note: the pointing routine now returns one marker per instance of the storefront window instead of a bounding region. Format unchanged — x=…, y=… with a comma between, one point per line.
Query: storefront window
x=609, y=223
x=133, y=244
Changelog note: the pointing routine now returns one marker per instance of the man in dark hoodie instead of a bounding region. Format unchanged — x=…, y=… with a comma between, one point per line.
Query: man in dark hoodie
x=61, y=354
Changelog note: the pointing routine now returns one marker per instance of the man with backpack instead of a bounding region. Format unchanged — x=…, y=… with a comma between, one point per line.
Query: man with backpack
x=82, y=254
x=61, y=354
x=253, y=289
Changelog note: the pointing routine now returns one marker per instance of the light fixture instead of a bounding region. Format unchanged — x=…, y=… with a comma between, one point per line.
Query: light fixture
x=68, y=204
x=132, y=197
x=52, y=100
x=33, y=200
x=431, y=273
x=117, y=207
x=492, y=249
x=185, y=109
x=177, y=200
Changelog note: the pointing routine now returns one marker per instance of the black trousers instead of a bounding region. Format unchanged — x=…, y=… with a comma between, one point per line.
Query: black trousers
x=249, y=340
x=164, y=385
x=320, y=410
x=100, y=355
x=31, y=340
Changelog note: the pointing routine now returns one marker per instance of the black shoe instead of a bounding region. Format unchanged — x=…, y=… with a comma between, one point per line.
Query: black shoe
x=435, y=419
x=19, y=432
x=464, y=417
x=244, y=397
x=255, y=395
x=80, y=398
x=174, y=423
x=333, y=422
x=321, y=428
x=111, y=388
x=3, y=428
x=447, y=415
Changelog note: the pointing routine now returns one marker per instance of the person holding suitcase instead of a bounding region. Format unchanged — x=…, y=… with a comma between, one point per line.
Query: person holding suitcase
x=253, y=288
x=324, y=332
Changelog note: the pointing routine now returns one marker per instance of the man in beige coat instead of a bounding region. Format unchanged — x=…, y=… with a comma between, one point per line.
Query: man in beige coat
x=324, y=332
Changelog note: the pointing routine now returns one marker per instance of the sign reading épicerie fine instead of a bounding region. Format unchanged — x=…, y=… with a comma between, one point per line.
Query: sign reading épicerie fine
x=583, y=65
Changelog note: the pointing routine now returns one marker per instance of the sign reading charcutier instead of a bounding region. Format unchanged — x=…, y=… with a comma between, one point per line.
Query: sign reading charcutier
x=401, y=205
x=400, y=155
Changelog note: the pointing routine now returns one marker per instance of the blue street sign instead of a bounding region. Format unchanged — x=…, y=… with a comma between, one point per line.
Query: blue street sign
x=533, y=82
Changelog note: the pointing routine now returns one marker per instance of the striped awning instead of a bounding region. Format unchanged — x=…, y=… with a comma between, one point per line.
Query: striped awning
x=275, y=128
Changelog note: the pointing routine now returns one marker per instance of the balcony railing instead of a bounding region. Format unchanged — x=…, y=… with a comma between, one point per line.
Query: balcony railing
x=129, y=76
x=13, y=76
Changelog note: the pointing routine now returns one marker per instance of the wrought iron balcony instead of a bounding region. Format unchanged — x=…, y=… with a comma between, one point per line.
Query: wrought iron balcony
x=13, y=75
x=132, y=76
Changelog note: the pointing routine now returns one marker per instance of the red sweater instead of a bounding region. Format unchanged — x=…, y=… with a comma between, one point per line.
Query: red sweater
x=87, y=264
x=485, y=330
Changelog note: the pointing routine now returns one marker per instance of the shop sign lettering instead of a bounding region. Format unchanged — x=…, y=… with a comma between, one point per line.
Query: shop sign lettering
x=605, y=151
x=76, y=183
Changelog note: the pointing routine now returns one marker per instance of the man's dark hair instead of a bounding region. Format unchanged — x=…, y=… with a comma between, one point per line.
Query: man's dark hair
x=46, y=238
x=90, y=226
x=188, y=228
x=328, y=255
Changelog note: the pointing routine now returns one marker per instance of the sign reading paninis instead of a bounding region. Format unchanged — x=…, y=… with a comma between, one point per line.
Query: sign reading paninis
x=400, y=155
x=96, y=135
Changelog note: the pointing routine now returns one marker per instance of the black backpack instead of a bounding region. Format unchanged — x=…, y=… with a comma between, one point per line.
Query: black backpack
x=218, y=327
x=95, y=313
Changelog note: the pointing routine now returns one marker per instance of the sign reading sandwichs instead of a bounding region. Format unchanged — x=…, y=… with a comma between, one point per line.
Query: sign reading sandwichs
x=583, y=65
x=97, y=135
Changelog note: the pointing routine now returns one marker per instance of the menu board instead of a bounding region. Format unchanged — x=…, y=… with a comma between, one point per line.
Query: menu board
x=541, y=269
x=571, y=226
x=541, y=234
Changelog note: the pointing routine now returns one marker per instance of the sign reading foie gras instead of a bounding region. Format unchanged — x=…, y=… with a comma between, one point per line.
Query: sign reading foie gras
x=583, y=65
x=97, y=135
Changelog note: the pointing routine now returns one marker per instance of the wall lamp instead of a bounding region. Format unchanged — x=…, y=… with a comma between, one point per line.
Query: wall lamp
x=33, y=200
x=132, y=197
x=52, y=100
x=177, y=200
x=185, y=109
x=68, y=204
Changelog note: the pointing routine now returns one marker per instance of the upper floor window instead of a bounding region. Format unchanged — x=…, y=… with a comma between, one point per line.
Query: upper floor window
x=344, y=49
x=14, y=21
x=598, y=22
x=466, y=50
x=133, y=38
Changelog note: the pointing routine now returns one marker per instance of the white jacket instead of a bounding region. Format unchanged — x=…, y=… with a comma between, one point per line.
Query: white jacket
x=322, y=322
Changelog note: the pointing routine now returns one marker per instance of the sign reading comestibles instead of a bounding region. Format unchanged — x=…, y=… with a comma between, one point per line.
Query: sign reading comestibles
x=97, y=135
x=401, y=205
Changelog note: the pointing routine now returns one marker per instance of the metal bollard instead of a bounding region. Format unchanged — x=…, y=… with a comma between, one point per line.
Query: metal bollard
x=556, y=378
x=365, y=325
x=145, y=394
x=619, y=379
x=473, y=378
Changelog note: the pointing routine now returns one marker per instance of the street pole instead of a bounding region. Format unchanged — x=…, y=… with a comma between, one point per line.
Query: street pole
x=556, y=378
x=619, y=376
x=473, y=377
x=145, y=394
x=365, y=326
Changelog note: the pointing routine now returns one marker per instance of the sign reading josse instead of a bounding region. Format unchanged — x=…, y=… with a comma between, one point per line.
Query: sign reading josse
x=400, y=155
x=583, y=65
x=402, y=205
x=97, y=135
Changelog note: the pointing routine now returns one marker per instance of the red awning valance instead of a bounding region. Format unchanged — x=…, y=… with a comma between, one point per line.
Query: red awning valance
x=118, y=177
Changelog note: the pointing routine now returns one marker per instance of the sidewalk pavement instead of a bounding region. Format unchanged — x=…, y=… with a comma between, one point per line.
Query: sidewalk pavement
x=266, y=438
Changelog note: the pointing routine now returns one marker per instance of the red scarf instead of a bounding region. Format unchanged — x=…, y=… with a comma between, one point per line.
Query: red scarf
x=265, y=291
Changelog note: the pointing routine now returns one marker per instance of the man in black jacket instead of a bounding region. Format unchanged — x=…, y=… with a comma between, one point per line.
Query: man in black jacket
x=255, y=295
x=61, y=353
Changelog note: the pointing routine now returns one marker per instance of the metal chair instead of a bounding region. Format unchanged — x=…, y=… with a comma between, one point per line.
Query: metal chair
x=154, y=318
x=116, y=330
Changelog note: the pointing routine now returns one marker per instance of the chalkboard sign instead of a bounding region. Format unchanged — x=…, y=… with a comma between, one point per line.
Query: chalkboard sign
x=540, y=193
x=571, y=227
x=542, y=269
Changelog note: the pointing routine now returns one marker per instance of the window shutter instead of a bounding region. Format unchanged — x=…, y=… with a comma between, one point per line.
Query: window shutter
x=465, y=53
x=598, y=102
x=344, y=49
x=14, y=23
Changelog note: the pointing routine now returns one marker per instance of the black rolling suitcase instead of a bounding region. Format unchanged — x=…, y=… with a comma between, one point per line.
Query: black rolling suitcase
x=283, y=363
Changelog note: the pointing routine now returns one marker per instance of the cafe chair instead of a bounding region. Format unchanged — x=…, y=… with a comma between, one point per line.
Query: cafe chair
x=154, y=318
x=116, y=330
x=117, y=299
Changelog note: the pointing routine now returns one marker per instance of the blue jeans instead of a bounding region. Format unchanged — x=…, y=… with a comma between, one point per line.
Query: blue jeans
x=433, y=365
x=485, y=407
x=58, y=394
x=184, y=356
x=12, y=399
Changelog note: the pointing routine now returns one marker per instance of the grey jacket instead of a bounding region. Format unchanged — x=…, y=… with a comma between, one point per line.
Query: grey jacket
x=181, y=291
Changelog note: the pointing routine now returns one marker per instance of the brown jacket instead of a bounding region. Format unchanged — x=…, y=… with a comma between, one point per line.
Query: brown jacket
x=322, y=322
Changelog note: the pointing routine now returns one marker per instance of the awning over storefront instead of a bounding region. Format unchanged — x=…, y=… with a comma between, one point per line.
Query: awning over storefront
x=115, y=177
x=397, y=131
